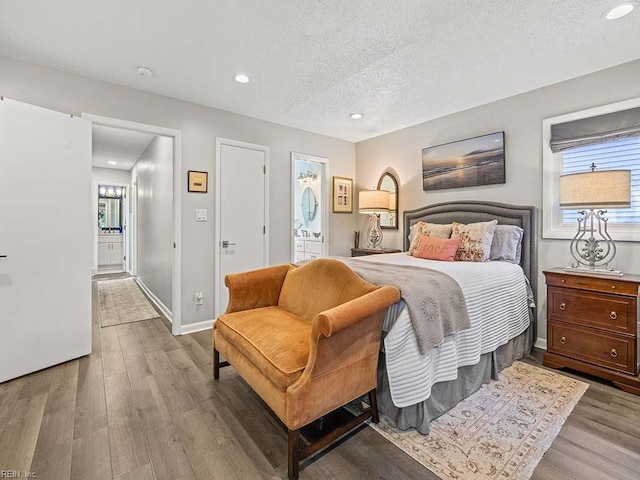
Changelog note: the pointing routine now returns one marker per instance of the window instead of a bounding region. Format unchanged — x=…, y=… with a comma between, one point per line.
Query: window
x=608, y=137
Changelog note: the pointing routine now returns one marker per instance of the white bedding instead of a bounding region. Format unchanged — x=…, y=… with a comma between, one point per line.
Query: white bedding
x=496, y=297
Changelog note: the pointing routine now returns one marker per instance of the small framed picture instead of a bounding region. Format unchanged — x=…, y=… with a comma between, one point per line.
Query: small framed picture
x=342, y=195
x=197, y=181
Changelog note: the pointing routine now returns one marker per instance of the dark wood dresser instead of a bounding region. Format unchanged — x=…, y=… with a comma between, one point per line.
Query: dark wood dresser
x=361, y=252
x=592, y=325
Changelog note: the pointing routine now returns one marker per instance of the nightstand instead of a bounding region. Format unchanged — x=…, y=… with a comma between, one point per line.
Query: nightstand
x=361, y=252
x=592, y=325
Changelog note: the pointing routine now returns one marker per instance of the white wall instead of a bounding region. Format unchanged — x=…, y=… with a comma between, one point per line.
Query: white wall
x=106, y=176
x=154, y=175
x=200, y=126
x=521, y=119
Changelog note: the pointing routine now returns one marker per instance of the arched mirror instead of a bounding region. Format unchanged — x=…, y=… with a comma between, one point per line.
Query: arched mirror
x=309, y=205
x=389, y=183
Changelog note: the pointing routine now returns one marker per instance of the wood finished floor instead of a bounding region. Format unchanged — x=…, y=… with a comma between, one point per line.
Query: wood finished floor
x=144, y=406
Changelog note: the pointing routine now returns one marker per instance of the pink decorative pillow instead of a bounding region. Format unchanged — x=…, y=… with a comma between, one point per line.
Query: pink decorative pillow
x=437, y=248
x=435, y=230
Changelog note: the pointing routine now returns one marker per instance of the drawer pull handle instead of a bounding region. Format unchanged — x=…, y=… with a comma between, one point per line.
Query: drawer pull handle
x=614, y=354
x=563, y=306
x=563, y=340
x=613, y=316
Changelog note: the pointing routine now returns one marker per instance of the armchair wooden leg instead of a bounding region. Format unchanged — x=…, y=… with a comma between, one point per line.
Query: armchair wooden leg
x=373, y=401
x=294, y=455
x=216, y=364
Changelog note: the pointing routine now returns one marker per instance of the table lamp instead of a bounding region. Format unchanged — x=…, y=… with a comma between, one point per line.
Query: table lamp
x=373, y=202
x=593, y=193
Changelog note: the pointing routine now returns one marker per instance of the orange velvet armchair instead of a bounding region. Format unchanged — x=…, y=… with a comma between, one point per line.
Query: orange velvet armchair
x=307, y=340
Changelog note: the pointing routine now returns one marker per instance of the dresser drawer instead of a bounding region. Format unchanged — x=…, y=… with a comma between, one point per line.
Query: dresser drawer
x=611, y=312
x=592, y=346
x=299, y=245
x=592, y=283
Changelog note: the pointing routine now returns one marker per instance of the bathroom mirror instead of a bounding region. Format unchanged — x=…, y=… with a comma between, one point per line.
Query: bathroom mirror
x=309, y=205
x=389, y=183
x=109, y=210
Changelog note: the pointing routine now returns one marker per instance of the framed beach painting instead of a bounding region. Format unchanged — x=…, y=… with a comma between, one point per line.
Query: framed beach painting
x=342, y=195
x=465, y=163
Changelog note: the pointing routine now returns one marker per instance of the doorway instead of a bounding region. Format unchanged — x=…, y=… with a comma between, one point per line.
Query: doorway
x=145, y=181
x=242, y=212
x=111, y=208
x=309, y=207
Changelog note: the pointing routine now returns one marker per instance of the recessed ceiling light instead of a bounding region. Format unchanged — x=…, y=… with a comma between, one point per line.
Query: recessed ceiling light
x=145, y=72
x=620, y=11
x=111, y=162
x=356, y=116
x=241, y=78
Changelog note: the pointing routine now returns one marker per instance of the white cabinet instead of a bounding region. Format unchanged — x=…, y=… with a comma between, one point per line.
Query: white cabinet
x=117, y=253
x=104, y=253
x=307, y=249
x=110, y=251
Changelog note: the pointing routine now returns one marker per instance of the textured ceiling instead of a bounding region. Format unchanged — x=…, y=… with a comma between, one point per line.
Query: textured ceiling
x=313, y=62
x=115, y=144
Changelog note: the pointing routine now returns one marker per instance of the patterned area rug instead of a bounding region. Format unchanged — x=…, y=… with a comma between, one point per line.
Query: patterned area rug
x=121, y=301
x=500, y=432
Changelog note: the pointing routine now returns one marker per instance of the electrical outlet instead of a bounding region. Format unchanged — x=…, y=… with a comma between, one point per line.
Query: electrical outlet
x=199, y=298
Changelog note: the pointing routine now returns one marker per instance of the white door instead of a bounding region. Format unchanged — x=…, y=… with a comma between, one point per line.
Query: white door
x=45, y=279
x=242, y=212
x=125, y=228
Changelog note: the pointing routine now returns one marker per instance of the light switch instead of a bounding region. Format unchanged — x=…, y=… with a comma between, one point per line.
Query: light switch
x=201, y=214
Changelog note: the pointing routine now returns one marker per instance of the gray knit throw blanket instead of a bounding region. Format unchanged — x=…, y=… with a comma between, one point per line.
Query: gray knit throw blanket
x=435, y=300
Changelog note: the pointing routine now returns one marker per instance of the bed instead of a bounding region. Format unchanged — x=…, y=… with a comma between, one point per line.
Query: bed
x=423, y=385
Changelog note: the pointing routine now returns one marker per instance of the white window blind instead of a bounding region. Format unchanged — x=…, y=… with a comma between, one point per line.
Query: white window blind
x=622, y=154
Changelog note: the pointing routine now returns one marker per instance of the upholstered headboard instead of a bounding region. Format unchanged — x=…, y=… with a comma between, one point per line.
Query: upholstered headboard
x=472, y=211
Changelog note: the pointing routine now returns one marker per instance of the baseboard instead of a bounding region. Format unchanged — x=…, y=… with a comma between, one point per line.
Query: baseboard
x=541, y=343
x=156, y=301
x=196, y=327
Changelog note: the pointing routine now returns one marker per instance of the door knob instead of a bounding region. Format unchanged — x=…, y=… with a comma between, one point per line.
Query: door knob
x=226, y=243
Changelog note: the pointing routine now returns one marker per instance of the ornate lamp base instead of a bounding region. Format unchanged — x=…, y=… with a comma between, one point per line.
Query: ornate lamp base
x=591, y=254
x=374, y=232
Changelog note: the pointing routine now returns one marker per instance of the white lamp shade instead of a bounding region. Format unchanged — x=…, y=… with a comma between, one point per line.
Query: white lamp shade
x=593, y=190
x=392, y=201
x=373, y=201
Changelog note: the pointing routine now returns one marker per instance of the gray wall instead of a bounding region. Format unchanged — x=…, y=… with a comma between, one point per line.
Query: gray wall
x=200, y=126
x=154, y=175
x=521, y=119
